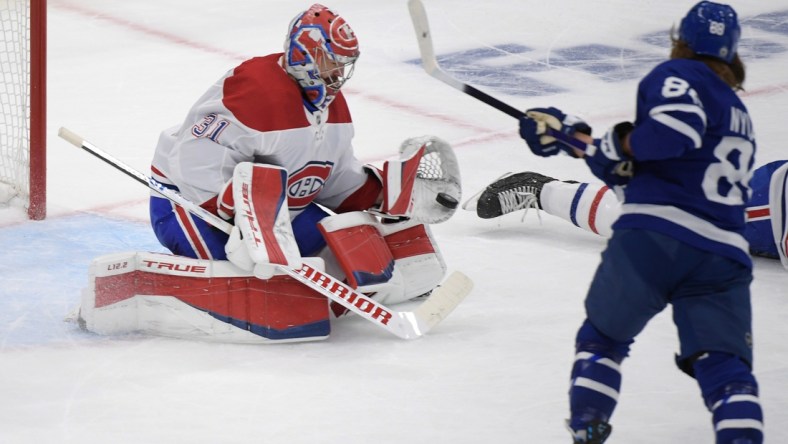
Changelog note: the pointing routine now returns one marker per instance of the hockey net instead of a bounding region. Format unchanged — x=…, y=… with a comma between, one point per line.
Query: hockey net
x=23, y=106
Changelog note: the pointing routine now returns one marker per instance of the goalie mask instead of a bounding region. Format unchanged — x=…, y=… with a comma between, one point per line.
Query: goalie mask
x=320, y=53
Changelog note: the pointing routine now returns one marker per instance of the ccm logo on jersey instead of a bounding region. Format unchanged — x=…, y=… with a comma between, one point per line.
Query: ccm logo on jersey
x=306, y=183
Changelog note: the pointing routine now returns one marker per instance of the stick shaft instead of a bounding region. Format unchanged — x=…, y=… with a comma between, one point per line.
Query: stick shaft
x=430, y=64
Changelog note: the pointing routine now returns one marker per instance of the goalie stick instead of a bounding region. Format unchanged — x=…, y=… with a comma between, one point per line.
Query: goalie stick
x=430, y=64
x=404, y=324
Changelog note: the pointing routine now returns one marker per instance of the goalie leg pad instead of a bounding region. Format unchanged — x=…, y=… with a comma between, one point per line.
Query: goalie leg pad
x=395, y=262
x=196, y=299
x=417, y=257
x=359, y=248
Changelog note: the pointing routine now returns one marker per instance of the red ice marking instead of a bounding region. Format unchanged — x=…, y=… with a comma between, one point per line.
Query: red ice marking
x=487, y=136
x=94, y=14
x=174, y=39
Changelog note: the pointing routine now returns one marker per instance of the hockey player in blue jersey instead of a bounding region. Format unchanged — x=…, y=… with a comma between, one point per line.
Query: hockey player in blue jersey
x=685, y=164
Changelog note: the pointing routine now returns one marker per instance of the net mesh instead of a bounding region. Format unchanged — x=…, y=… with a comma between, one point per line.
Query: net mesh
x=14, y=101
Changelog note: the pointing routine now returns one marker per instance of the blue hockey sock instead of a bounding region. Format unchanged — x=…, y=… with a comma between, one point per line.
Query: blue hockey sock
x=731, y=395
x=596, y=377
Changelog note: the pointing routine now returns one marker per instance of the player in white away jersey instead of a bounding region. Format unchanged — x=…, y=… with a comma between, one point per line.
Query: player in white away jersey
x=268, y=148
x=282, y=109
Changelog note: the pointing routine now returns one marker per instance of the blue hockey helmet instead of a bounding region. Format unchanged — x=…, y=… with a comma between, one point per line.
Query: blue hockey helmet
x=711, y=29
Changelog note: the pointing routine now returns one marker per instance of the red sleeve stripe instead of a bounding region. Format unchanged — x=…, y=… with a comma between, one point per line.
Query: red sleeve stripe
x=363, y=198
x=758, y=213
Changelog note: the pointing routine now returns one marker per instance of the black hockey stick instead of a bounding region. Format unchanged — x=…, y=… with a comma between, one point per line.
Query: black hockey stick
x=404, y=324
x=430, y=64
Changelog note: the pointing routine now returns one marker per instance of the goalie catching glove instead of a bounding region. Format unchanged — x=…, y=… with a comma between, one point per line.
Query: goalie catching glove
x=426, y=168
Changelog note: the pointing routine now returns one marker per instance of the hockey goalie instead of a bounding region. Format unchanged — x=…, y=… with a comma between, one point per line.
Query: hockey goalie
x=268, y=149
x=233, y=288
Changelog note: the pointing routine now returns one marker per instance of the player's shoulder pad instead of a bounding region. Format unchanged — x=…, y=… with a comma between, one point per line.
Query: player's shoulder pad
x=261, y=95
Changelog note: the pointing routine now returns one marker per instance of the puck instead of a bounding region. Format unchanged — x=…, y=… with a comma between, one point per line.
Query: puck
x=447, y=201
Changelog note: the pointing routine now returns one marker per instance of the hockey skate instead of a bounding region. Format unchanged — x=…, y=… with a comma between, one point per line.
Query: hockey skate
x=594, y=433
x=512, y=192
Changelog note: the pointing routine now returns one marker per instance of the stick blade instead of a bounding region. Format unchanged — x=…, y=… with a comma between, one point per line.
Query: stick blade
x=442, y=301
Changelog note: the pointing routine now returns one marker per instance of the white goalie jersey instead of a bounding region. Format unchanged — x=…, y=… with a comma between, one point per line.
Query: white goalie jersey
x=255, y=113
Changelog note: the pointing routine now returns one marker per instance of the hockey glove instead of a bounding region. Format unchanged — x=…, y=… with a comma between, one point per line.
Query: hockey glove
x=533, y=129
x=225, y=203
x=606, y=158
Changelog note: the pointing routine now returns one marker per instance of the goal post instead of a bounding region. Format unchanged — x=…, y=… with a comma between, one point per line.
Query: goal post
x=23, y=105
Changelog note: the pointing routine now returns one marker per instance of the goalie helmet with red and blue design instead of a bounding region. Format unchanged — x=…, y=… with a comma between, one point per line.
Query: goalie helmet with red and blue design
x=711, y=29
x=320, y=53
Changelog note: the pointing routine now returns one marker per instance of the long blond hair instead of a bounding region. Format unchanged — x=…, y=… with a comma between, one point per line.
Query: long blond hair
x=731, y=73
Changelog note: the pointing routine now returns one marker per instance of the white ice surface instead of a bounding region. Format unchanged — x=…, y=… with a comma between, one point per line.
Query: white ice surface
x=495, y=371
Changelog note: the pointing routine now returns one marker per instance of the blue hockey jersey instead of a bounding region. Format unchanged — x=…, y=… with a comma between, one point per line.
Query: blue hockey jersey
x=694, y=147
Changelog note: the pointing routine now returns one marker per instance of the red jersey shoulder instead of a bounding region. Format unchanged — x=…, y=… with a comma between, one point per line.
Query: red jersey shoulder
x=338, y=111
x=261, y=95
